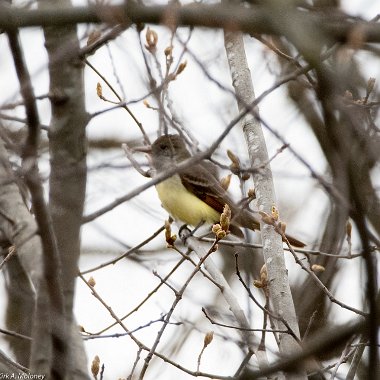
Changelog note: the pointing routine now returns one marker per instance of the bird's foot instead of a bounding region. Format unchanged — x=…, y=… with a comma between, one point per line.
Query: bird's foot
x=184, y=232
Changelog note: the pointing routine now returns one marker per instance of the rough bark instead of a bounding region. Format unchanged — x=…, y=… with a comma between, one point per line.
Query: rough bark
x=281, y=298
x=67, y=181
x=23, y=270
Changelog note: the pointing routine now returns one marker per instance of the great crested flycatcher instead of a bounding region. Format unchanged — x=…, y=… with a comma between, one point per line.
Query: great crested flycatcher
x=194, y=194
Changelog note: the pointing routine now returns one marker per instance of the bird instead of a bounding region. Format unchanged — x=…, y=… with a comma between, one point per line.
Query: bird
x=194, y=195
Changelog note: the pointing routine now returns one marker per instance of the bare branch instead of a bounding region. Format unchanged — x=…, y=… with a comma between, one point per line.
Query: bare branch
x=43, y=217
x=253, y=20
x=278, y=282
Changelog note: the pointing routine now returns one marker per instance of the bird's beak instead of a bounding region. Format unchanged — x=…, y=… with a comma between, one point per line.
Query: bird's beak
x=143, y=149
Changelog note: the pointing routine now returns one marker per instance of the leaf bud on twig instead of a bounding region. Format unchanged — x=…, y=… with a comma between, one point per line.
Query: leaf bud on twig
x=245, y=176
x=264, y=275
x=275, y=213
x=235, y=162
x=370, y=85
x=252, y=193
x=168, y=51
x=181, y=67
x=348, y=229
x=225, y=182
x=317, y=268
x=208, y=338
x=225, y=218
x=99, y=90
x=218, y=231
x=170, y=239
x=95, y=366
x=151, y=38
x=91, y=281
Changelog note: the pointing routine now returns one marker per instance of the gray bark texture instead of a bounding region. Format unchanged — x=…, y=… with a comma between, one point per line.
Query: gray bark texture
x=67, y=181
x=23, y=270
x=279, y=289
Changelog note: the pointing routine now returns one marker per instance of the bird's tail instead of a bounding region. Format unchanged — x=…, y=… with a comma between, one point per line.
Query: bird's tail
x=247, y=219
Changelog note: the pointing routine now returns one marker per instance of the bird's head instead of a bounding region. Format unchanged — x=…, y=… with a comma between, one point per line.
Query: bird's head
x=168, y=150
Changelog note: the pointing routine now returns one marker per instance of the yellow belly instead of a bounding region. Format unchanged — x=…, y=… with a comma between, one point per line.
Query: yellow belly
x=182, y=205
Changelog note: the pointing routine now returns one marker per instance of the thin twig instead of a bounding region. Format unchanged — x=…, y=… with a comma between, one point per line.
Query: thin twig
x=237, y=327
x=178, y=297
x=126, y=254
x=11, y=252
x=121, y=104
x=144, y=347
x=253, y=298
x=239, y=243
x=320, y=283
x=15, y=334
x=119, y=335
x=134, y=163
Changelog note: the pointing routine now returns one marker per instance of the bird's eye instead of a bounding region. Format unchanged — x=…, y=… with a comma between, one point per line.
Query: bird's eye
x=162, y=146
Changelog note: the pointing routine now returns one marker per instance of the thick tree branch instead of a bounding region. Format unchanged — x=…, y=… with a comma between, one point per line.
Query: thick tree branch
x=68, y=170
x=43, y=218
x=250, y=20
x=278, y=283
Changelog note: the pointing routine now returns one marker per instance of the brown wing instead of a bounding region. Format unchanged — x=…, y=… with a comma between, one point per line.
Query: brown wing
x=205, y=186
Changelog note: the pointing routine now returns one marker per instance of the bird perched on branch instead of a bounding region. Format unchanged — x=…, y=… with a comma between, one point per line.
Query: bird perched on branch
x=194, y=195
